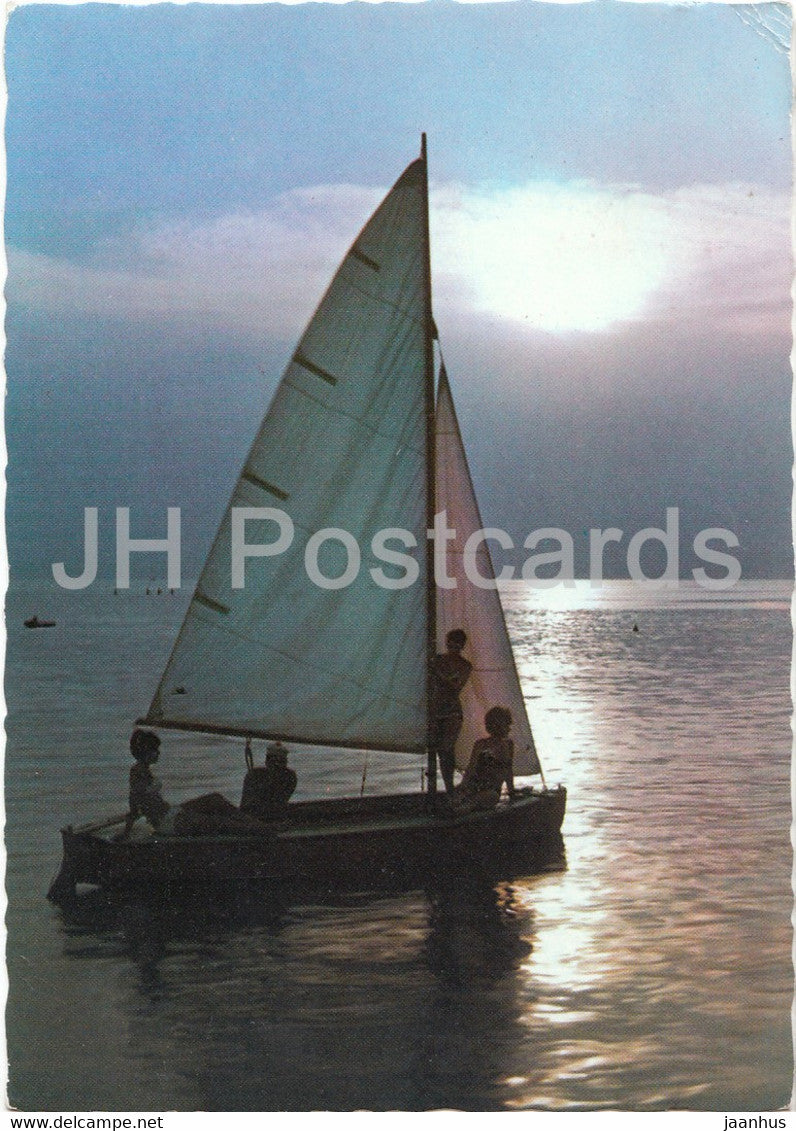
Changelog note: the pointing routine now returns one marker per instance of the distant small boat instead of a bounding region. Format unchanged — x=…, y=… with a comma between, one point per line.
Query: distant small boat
x=34, y=622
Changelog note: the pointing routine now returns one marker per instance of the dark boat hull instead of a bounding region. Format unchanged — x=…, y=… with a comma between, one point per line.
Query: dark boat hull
x=338, y=845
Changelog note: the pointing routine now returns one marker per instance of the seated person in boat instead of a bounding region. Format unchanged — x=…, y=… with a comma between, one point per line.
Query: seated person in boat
x=145, y=797
x=267, y=790
x=491, y=764
x=450, y=673
x=207, y=815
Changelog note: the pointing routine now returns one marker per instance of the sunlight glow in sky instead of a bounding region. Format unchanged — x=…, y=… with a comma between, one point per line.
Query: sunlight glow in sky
x=557, y=257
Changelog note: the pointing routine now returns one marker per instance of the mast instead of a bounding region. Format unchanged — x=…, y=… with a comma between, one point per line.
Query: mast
x=430, y=399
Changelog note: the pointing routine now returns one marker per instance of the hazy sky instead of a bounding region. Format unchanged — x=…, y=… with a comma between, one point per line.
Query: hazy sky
x=610, y=189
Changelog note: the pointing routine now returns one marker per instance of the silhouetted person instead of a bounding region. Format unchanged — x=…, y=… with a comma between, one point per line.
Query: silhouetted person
x=145, y=796
x=491, y=764
x=267, y=790
x=450, y=673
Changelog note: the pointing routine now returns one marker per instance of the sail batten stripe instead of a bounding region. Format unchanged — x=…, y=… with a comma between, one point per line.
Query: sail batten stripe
x=311, y=367
x=209, y=603
x=360, y=255
x=277, y=492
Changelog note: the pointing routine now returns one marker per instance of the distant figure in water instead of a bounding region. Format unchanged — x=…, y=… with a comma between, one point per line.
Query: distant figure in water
x=635, y=627
x=491, y=764
x=267, y=790
x=206, y=815
x=450, y=673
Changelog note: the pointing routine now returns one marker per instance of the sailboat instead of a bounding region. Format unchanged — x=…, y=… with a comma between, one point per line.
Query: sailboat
x=361, y=437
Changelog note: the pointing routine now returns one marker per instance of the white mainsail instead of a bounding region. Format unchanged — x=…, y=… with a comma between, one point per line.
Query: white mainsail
x=342, y=445
x=478, y=611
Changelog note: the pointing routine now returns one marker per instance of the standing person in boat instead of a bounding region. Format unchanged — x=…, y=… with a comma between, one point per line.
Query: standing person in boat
x=206, y=815
x=491, y=764
x=267, y=790
x=450, y=673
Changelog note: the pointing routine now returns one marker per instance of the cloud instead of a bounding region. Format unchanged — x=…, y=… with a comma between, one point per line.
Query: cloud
x=258, y=273
x=731, y=259
x=553, y=257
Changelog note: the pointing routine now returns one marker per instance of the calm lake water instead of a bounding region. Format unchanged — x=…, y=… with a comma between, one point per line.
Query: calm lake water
x=652, y=972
